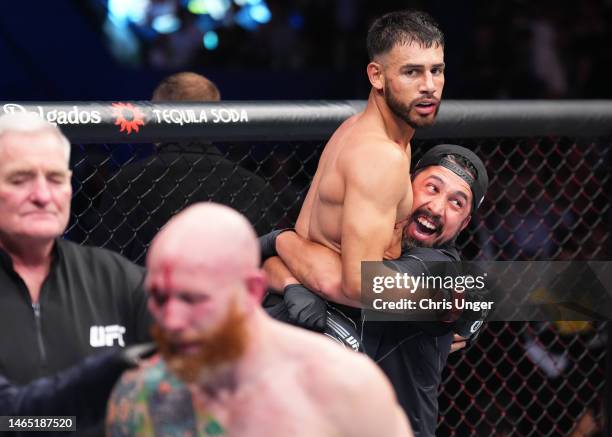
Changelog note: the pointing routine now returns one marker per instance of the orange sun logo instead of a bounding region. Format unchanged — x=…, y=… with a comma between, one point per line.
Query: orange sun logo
x=128, y=116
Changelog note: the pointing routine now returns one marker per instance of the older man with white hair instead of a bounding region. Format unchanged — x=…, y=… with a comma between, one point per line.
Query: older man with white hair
x=59, y=301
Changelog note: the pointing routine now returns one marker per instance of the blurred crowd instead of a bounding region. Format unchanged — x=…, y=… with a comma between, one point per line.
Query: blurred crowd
x=495, y=49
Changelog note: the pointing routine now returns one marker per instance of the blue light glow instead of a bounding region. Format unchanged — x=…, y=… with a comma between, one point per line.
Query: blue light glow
x=217, y=8
x=243, y=19
x=211, y=40
x=260, y=13
x=120, y=11
x=166, y=23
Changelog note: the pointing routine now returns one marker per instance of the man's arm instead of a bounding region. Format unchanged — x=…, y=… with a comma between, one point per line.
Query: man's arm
x=81, y=390
x=127, y=412
x=376, y=178
x=313, y=265
x=320, y=269
x=278, y=274
x=303, y=307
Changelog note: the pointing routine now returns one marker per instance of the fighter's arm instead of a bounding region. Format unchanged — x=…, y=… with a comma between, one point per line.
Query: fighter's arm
x=311, y=264
x=376, y=180
x=127, y=413
x=278, y=275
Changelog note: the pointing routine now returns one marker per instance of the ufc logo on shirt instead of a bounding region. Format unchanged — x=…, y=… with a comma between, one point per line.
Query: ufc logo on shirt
x=105, y=336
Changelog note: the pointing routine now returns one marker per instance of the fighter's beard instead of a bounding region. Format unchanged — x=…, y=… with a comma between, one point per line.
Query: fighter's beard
x=217, y=349
x=403, y=111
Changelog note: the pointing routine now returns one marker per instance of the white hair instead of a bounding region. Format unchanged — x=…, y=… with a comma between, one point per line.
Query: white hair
x=30, y=122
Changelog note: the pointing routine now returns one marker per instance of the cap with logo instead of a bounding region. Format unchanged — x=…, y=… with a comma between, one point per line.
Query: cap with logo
x=438, y=155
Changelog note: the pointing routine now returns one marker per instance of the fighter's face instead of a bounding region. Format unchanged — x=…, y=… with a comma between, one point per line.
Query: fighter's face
x=441, y=207
x=189, y=302
x=35, y=188
x=200, y=318
x=413, y=82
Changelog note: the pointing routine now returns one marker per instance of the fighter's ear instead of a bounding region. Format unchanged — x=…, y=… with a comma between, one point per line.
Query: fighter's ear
x=375, y=75
x=256, y=285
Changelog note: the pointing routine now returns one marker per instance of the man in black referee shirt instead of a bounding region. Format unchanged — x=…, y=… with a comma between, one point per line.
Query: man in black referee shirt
x=449, y=183
x=59, y=301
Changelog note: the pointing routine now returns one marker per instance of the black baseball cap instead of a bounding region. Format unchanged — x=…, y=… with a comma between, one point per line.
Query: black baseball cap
x=437, y=155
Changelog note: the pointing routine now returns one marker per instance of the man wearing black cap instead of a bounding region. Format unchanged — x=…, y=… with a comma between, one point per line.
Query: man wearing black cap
x=449, y=184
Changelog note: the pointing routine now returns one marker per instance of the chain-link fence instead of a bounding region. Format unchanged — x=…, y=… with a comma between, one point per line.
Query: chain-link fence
x=548, y=199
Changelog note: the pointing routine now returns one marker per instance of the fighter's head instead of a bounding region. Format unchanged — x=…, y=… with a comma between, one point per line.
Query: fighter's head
x=406, y=50
x=204, y=284
x=35, y=189
x=449, y=183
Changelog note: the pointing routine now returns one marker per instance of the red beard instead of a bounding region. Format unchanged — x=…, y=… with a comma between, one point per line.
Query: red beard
x=225, y=344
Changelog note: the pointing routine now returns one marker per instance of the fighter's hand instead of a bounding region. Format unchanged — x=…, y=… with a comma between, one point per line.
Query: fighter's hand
x=305, y=308
x=459, y=342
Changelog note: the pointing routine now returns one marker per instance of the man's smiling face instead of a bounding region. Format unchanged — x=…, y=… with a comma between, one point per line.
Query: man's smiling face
x=441, y=207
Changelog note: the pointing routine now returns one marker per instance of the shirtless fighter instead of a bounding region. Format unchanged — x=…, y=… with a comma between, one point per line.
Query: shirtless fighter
x=361, y=194
x=228, y=369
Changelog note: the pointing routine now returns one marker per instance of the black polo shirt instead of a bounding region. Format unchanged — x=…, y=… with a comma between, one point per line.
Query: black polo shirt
x=91, y=300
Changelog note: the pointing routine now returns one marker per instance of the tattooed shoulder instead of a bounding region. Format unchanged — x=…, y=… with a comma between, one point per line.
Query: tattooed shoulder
x=127, y=412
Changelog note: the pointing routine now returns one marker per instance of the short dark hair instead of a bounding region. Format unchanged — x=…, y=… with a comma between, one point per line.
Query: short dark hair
x=186, y=87
x=403, y=27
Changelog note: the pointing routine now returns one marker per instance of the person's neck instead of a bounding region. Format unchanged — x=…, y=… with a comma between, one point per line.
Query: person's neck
x=28, y=254
x=396, y=129
x=226, y=379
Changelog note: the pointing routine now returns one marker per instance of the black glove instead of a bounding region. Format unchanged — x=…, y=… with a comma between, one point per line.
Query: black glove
x=267, y=243
x=468, y=329
x=343, y=330
x=305, y=308
x=132, y=355
x=469, y=322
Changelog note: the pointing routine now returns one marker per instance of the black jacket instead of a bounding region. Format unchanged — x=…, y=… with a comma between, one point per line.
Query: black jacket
x=91, y=300
x=81, y=390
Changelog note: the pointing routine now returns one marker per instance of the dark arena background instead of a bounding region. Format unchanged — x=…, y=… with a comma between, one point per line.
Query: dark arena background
x=284, y=71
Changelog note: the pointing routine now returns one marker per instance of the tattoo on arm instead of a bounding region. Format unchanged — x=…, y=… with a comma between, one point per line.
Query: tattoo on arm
x=127, y=413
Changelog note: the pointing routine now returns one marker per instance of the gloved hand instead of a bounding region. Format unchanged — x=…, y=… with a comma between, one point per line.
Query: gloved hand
x=305, y=308
x=132, y=355
x=469, y=322
x=469, y=329
x=343, y=330
x=267, y=243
